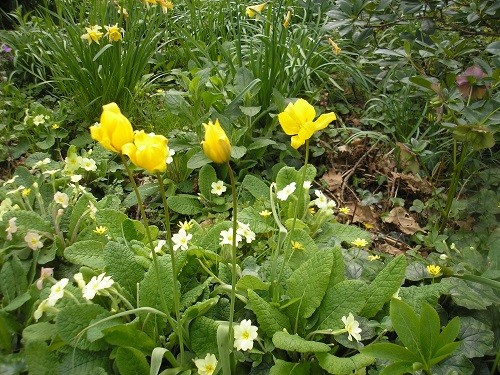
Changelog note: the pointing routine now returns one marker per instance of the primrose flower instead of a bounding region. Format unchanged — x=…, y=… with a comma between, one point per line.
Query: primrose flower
x=7, y=206
x=88, y=164
x=62, y=199
x=181, y=239
x=297, y=121
x=244, y=334
x=352, y=327
x=244, y=231
x=114, y=130
x=148, y=151
x=32, y=239
x=73, y=162
x=41, y=163
x=286, y=191
x=206, y=366
x=57, y=291
x=359, y=242
x=433, y=270
x=93, y=34
x=78, y=277
x=38, y=120
x=45, y=273
x=265, y=213
x=114, y=33
x=218, y=188
x=322, y=201
x=95, y=285
x=170, y=153
x=226, y=237
x=255, y=10
x=11, y=228
x=307, y=185
x=216, y=145
x=42, y=307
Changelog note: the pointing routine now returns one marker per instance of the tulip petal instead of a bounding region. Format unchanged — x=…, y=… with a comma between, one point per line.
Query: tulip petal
x=297, y=141
x=304, y=111
x=324, y=120
x=289, y=125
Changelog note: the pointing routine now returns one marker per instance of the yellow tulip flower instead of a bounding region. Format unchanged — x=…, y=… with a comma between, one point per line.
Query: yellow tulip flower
x=297, y=121
x=254, y=10
x=148, y=151
x=114, y=130
x=216, y=145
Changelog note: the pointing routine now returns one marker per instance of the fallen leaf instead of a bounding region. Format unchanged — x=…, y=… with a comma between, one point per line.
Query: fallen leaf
x=363, y=214
x=333, y=180
x=404, y=221
x=389, y=249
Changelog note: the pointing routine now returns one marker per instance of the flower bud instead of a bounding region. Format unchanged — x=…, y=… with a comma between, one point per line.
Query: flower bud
x=216, y=145
x=114, y=130
x=148, y=151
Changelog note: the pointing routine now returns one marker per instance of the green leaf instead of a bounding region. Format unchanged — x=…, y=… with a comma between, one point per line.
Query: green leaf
x=309, y=283
x=237, y=152
x=260, y=143
x=145, y=191
x=477, y=338
x=86, y=253
x=494, y=48
x=128, y=336
x=251, y=282
x=131, y=361
x=448, y=334
x=44, y=331
x=430, y=326
x=149, y=290
x=190, y=297
x=406, y=324
x=333, y=234
x=385, y=284
x=184, y=204
x=416, y=295
x=256, y=187
x=112, y=220
x=203, y=336
x=343, y=366
x=197, y=310
x=13, y=281
x=295, y=343
x=29, y=220
x=443, y=352
x=338, y=269
x=343, y=298
x=224, y=347
x=210, y=241
x=290, y=368
x=198, y=160
x=72, y=320
x=206, y=177
x=270, y=319
x=77, y=213
x=398, y=368
x=299, y=256
x=40, y=360
x=250, y=215
x=422, y=82
x=250, y=111
x=17, y=302
x=391, y=352
x=474, y=296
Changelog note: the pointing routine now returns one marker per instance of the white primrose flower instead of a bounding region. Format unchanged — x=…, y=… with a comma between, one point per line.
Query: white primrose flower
x=45, y=273
x=57, y=291
x=78, y=277
x=244, y=334
x=226, y=237
x=42, y=307
x=61, y=198
x=95, y=285
x=218, y=188
x=307, y=184
x=11, y=228
x=322, y=201
x=286, y=191
x=352, y=327
x=33, y=240
x=41, y=163
x=181, y=239
x=38, y=120
x=244, y=231
x=207, y=365
x=88, y=164
x=170, y=153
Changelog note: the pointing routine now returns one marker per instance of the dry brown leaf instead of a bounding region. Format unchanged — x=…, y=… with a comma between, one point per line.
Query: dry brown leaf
x=389, y=249
x=333, y=180
x=363, y=214
x=414, y=182
x=404, y=221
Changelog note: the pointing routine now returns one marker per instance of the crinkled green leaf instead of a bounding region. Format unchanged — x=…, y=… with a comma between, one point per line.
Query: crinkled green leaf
x=203, y=336
x=76, y=220
x=13, y=281
x=131, y=361
x=17, y=302
x=251, y=216
x=474, y=296
x=290, y=368
x=251, y=282
x=309, y=282
x=29, y=221
x=270, y=318
x=210, y=241
x=40, y=360
x=477, y=339
x=346, y=297
x=197, y=310
x=295, y=343
x=43, y=331
x=190, y=297
x=86, y=253
x=416, y=295
x=333, y=234
x=206, y=177
x=343, y=366
x=149, y=290
x=256, y=187
x=383, y=287
x=112, y=220
x=307, y=250
x=185, y=204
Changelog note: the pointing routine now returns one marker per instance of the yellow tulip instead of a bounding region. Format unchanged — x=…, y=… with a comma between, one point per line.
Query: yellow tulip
x=148, y=151
x=114, y=130
x=216, y=145
x=297, y=121
x=254, y=10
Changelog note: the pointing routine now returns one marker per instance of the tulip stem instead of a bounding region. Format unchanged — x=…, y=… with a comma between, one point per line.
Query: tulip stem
x=148, y=235
x=176, y=297
x=233, y=253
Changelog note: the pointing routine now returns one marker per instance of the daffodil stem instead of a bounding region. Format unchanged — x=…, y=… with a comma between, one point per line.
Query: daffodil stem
x=233, y=253
x=163, y=302
x=176, y=296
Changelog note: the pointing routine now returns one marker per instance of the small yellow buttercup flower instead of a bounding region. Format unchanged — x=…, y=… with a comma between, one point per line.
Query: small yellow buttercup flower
x=100, y=230
x=255, y=10
x=114, y=33
x=311, y=210
x=114, y=130
x=93, y=34
x=186, y=225
x=216, y=145
x=265, y=213
x=433, y=270
x=297, y=121
x=368, y=226
x=344, y=210
x=148, y=151
x=55, y=126
x=359, y=242
x=297, y=245
x=373, y=257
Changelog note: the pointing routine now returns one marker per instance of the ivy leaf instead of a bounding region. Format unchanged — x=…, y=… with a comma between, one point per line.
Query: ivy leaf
x=270, y=319
x=295, y=343
x=343, y=366
x=309, y=283
x=477, y=339
x=385, y=284
x=86, y=253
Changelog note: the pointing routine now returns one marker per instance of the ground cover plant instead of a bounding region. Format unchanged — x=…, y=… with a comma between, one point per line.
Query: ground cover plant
x=218, y=187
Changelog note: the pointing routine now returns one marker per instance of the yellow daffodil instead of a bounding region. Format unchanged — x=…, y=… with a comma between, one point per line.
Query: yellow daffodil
x=93, y=34
x=335, y=48
x=216, y=145
x=114, y=130
x=433, y=270
x=148, y=151
x=151, y=2
x=166, y=5
x=114, y=33
x=254, y=10
x=297, y=121
x=287, y=20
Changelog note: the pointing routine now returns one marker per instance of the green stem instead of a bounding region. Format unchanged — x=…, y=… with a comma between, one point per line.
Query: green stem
x=233, y=252
x=176, y=295
x=163, y=302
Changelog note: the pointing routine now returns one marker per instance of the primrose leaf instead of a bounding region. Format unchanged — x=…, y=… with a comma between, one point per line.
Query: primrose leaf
x=306, y=251
x=416, y=295
x=343, y=366
x=290, y=368
x=309, y=282
x=256, y=187
x=149, y=292
x=184, y=204
x=383, y=287
x=251, y=282
x=477, y=339
x=295, y=343
x=40, y=360
x=206, y=177
x=86, y=253
x=29, y=220
x=112, y=220
x=131, y=361
x=203, y=336
x=43, y=331
x=270, y=319
x=258, y=224
x=333, y=234
x=128, y=336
